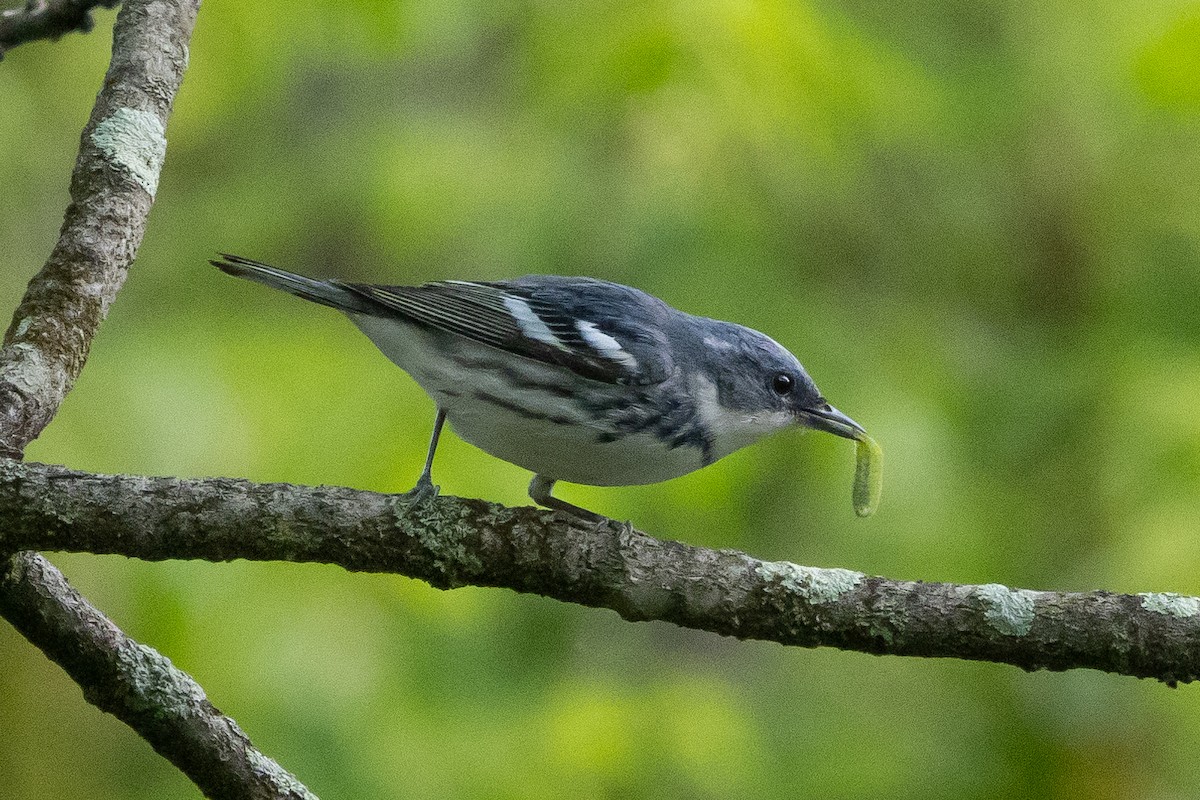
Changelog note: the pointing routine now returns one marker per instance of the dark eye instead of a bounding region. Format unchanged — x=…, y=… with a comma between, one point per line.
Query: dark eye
x=782, y=383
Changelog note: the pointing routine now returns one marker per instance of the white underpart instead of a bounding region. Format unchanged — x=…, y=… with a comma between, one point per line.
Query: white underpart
x=531, y=325
x=604, y=344
x=567, y=450
x=733, y=429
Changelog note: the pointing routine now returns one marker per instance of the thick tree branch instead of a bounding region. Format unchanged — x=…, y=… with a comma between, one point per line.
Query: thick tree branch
x=47, y=19
x=453, y=542
x=139, y=686
x=112, y=190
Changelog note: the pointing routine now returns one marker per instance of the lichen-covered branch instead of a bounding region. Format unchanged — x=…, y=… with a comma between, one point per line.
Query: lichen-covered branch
x=139, y=686
x=453, y=542
x=44, y=349
x=46, y=19
x=112, y=189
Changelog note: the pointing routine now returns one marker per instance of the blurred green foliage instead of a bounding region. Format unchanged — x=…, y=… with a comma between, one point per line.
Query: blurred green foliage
x=978, y=224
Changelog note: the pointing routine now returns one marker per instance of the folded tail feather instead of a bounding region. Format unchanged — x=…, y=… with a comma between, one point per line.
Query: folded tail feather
x=327, y=293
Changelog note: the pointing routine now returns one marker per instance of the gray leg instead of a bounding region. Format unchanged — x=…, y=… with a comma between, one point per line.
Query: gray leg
x=539, y=491
x=425, y=490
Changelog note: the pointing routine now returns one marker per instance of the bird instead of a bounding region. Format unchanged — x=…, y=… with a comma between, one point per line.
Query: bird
x=575, y=379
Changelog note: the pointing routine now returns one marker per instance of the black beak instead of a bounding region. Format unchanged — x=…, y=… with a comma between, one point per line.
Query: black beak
x=829, y=419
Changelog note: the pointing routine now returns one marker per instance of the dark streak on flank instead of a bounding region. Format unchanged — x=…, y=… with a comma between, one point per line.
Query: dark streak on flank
x=521, y=411
x=512, y=377
x=515, y=380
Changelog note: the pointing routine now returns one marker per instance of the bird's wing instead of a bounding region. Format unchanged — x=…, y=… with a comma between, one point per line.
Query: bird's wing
x=599, y=330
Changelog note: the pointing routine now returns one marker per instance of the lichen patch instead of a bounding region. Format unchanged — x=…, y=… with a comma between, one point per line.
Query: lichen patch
x=135, y=142
x=816, y=584
x=1175, y=605
x=1009, y=611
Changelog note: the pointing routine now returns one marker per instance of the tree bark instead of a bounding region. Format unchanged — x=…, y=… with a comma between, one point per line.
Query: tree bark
x=46, y=346
x=139, y=686
x=112, y=188
x=451, y=542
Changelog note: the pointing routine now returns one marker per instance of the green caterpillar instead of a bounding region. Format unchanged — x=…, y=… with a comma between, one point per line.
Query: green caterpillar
x=868, y=476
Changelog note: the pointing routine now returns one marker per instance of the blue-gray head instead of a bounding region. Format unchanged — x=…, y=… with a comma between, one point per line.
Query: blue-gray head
x=752, y=386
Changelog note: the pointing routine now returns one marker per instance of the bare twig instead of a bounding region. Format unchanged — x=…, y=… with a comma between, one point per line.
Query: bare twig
x=453, y=542
x=47, y=19
x=112, y=189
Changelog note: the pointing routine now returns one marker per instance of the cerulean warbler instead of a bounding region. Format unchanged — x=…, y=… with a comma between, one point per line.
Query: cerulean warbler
x=576, y=379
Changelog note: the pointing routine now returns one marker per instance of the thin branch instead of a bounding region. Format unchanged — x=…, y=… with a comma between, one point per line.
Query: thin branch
x=112, y=190
x=139, y=686
x=454, y=542
x=47, y=19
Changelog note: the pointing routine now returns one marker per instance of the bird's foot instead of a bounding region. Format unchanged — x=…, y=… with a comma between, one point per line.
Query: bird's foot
x=423, y=492
x=539, y=491
x=581, y=514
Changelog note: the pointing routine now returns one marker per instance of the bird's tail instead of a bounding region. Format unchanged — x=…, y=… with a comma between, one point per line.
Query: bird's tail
x=327, y=293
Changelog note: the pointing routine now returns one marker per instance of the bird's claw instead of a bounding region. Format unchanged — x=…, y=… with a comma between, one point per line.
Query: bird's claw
x=584, y=515
x=423, y=492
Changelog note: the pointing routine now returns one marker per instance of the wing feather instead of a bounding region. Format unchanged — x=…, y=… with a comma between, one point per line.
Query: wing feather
x=494, y=313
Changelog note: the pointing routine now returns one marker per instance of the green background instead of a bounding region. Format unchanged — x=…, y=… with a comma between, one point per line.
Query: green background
x=977, y=224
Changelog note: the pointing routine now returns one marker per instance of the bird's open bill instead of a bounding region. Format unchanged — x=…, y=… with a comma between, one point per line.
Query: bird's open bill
x=829, y=419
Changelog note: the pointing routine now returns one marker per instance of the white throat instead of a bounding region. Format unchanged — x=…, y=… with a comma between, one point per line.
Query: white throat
x=732, y=429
